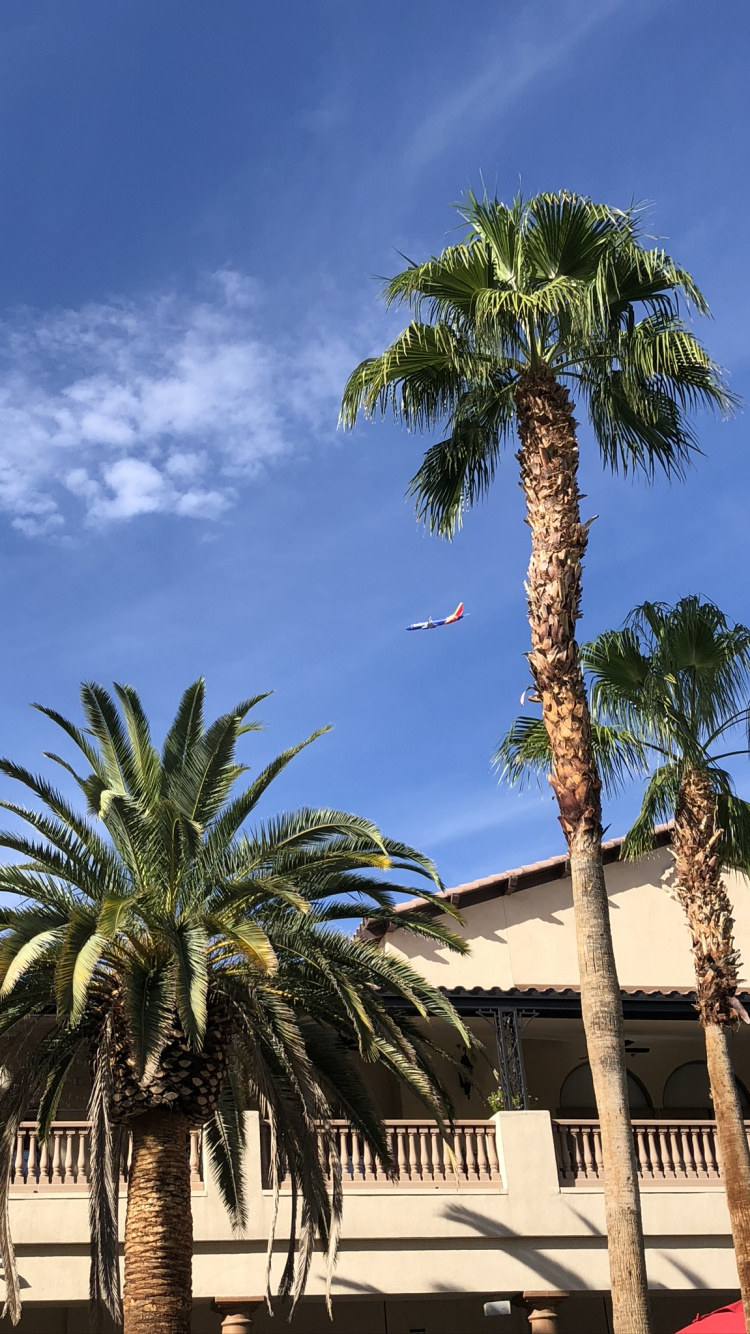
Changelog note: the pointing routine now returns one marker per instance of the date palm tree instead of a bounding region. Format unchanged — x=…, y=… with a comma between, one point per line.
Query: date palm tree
x=196, y=965
x=543, y=297
x=669, y=693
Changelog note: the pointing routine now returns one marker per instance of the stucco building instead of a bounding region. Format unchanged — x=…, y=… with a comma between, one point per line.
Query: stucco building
x=518, y=1214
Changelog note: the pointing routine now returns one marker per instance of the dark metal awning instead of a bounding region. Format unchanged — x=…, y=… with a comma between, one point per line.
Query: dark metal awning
x=565, y=1002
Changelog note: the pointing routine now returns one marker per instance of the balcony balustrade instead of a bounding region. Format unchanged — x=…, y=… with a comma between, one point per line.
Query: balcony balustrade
x=423, y=1159
x=674, y=1152
x=62, y=1162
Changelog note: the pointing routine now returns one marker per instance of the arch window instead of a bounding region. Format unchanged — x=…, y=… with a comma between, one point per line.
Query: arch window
x=688, y=1090
x=577, y=1092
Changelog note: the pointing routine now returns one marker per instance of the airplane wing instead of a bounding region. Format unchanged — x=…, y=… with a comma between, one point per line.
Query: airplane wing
x=419, y=625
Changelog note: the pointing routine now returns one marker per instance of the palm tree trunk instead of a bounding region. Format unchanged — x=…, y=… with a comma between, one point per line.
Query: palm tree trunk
x=549, y=467
x=735, y=1159
x=158, y=1228
x=701, y=892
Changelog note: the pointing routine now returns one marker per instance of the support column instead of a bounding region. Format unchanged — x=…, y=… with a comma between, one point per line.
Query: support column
x=510, y=1067
x=237, y=1313
x=542, y=1310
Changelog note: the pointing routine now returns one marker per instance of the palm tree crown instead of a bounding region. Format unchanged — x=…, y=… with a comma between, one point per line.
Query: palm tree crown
x=556, y=286
x=195, y=963
x=667, y=691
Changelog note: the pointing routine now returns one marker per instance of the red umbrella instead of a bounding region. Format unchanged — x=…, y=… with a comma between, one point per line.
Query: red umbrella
x=727, y=1320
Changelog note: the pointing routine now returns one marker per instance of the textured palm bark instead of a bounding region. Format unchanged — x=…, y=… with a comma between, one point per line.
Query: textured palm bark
x=699, y=889
x=158, y=1228
x=549, y=468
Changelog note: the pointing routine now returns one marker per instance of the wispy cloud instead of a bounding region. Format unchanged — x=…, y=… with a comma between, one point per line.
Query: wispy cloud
x=531, y=43
x=165, y=404
x=492, y=811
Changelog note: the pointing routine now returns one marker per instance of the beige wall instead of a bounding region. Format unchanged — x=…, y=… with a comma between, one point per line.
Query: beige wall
x=529, y=1234
x=528, y=938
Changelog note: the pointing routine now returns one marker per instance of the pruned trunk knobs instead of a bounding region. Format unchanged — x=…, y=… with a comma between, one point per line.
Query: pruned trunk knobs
x=699, y=889
x=548, y=460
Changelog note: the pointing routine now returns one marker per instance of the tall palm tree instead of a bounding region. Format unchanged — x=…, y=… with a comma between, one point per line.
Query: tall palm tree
x=195, y=964
x=670, y=692
x=542, y=297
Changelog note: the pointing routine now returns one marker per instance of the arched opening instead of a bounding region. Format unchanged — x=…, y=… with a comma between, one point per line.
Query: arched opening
x=688, y=1091
x=577, y=1093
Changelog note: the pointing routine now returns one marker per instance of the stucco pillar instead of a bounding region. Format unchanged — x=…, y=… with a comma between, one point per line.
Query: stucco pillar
x=237, y=1313
x=542, y=1310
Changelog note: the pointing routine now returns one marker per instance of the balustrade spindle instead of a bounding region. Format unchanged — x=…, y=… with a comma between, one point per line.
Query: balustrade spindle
x=598, y=1157
x=44, y=1163
x=686, y=1136
x=580, y=1166
x=17, y=1173
x=659, y=1141
x=670, y=1151
x=425, y=1156
x=643, y=1157
x=57, y=1174
x=709, y=1146
x=355, y=1150
x=437, y=1155
x=82, y=1173
x=68, y=1161
x=483, y=1166
x=589, y=1160
x=31, y=1165
x=415, y=1173
x=492, y=1153
x=471, y=1157
x=195, y=1163
x=401, y=1155
x=698, y=1151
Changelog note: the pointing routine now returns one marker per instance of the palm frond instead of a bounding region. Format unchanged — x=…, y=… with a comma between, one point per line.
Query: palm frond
x=733, y=817
x=658, y=807
x=105, y=1152
x=225, y=1146
x=145, y=759
x=524, y=754
x=149, y=998
x=556, y=280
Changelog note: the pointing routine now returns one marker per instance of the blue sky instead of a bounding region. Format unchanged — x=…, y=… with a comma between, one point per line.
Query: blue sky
x=195, y=200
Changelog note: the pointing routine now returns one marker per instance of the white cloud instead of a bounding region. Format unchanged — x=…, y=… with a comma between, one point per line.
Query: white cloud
x=159, y=405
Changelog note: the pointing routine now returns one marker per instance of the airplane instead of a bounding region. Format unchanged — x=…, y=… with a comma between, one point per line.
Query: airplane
x=429, y=624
